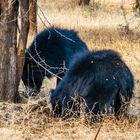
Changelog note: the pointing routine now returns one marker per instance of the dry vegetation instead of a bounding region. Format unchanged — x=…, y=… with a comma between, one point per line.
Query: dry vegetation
x=101, y=26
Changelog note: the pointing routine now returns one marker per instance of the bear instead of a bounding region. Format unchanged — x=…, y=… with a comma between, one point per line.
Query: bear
x=99, y=79
x=50, y=54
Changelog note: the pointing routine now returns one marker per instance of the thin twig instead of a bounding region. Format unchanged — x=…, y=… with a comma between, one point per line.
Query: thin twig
x=44, y=67
x=97, y=134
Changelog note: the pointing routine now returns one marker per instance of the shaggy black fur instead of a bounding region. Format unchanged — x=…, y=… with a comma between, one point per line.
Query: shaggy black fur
x=55, y=50
x=101, y=79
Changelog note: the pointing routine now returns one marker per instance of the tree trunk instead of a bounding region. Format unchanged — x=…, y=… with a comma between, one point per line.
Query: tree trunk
x=33, y=17
x=84, y=2
x=24, y=10
x=8, y=50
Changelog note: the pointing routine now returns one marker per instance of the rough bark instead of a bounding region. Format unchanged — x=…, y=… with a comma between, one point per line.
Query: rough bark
x=8, y=50
x=33, y=17
x=24, y=12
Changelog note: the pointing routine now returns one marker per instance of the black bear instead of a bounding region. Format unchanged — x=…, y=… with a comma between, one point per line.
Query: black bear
x=100, y=79
x=50, y=53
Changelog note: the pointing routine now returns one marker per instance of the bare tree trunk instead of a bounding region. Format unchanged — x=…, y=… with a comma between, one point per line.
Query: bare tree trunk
x=84, y=2
x=33, y=17
x=24, y=9
x=8, y=50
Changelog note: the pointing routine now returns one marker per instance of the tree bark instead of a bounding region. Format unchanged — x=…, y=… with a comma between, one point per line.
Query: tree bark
x=84, y=2
x=33, y=17
x=8, y=50
x=24, y=10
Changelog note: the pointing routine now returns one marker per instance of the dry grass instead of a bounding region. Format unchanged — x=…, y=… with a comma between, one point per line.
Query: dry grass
x=102, y=28
x=32, y=121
